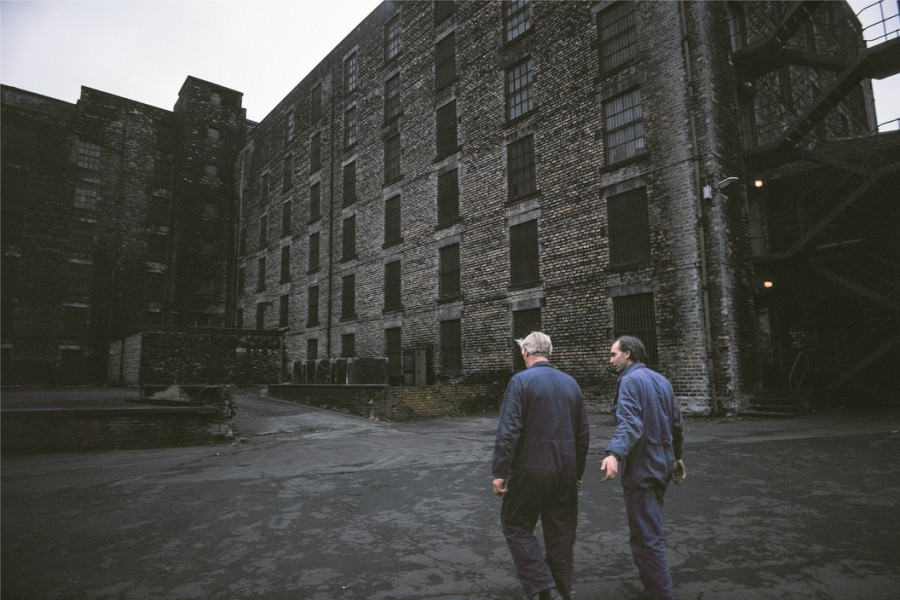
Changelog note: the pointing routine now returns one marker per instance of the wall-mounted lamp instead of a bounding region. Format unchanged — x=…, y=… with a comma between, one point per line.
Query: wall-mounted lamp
x=709, y=189
x=768, y=284
x=758, y=183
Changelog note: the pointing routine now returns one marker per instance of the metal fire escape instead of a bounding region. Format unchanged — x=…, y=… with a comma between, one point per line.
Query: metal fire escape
x=832, y=192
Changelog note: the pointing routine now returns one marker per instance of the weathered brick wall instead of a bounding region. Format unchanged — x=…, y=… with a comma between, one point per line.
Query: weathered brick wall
x=395, y=403
x=38, y=431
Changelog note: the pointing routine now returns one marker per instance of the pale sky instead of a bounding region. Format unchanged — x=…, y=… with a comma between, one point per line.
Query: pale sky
x=144, y=49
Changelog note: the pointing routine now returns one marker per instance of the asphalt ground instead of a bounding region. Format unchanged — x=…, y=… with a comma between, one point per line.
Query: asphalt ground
x=311, y=504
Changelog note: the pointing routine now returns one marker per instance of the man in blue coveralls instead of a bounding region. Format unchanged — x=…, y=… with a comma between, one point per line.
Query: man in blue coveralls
x=647, y=442
x=539, y=458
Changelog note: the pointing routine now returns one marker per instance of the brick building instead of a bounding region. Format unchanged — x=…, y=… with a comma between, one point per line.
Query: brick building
x=453, y=175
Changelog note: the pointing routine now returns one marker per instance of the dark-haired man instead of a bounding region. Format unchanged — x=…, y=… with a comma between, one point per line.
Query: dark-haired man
x=647, y=442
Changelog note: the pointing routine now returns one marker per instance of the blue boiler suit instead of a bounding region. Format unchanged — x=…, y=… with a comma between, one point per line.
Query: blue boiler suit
x=540, y=450
x=648, y=439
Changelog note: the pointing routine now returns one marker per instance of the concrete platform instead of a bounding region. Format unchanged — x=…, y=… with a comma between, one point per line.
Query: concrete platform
x=315, y=505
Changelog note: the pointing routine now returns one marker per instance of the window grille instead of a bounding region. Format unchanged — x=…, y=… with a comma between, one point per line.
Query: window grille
x=392, y=39
x=516, y=19
x=617, y=30
x=624, y=133
x=449, y=272
x=635, y=315
x=85, y=199
x=87, y=155
x=518, y=90
x=520, y=168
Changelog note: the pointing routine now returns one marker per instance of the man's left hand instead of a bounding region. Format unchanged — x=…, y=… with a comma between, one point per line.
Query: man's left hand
x=499, y=487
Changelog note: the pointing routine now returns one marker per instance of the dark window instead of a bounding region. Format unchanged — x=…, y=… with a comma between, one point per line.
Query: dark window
x=261, y=274
x=524, y=322
x=286, y=219
x=156, y=247
x=445, y=61
x=392, y=98
x=283, y=310
x=315, y=153
x=516, y=19
x=351, y=69
x=451, y=346
x=241, y=280
x=349, y=183
x=629, y=229
x=348, y=297
x=263, y=231
x=617, y=31
x=261, y=316
x=287, y=173
x=349, y=239
x=518, y=90
x=392, y=159
x=449, y=272
x=264, y=189
x=312, y=349
x=348, y=345
x=78, y=279
x=239, y=318
x=75, y=320
x=315, y=103
x=443, y=9
x=313, y=252
x=88, y=155
x=448, y=198
x=392, y=286
x=635, y=315
x=523, y=254
x=521, y=181
x=158, y=211
x=392, y=227
x=393, y=350
x=350, y=127
x=162, y=173
x=243, y=241
x=446, y=130
x=289, y=128
x=624, y=131
x=285, y=264
x=312, y=306
x=392, y=39
x=315, y=202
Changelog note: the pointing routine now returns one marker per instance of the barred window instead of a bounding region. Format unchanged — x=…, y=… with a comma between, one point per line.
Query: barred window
x=263, y=231
x=261, y=315
x=284, y=303
x=158, y=211
x=351, y=70
x=349, y=183
x=261, y=274
x=617, y=30
x=629, y=229
x=315, y=202
x=392, y=221
x=446, y=130
x=524, y=322
x=516, y=19
x=87, y=155
x=451, y=346
x=285, y=264
x=392, y=286
x=624, y=131
x=392, y=39
x=264, y=189
x=287, y=181
x=448, y=259
x=520, y=171
x=445, y=61
x=350, y=127
x=636, y=315
x=392, y=159
x=313, y=253
x=519, y=100
x=85, y=199
x=523, y=254
x=286, y=219
x=315, y=153
x=448, y=198
x=392, y=98
x=349, y=238
x=312, y=306
x=157, y=247
x=348, y=296
x=289, y=129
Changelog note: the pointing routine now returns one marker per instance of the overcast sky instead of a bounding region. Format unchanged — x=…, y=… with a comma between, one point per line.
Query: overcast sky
x=144, y=49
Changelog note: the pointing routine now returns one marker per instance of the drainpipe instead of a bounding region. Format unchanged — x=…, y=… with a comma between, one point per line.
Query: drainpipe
x=330, y=221
x=698, y=208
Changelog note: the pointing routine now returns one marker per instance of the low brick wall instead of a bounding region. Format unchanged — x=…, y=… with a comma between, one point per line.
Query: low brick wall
x=27, y=431
x=395, y=403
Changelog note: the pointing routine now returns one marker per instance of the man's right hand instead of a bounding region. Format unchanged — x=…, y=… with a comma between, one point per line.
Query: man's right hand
x=499, y=487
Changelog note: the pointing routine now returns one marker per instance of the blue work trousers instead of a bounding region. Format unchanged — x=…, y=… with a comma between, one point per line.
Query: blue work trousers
x=644, y=506
x=554, y=500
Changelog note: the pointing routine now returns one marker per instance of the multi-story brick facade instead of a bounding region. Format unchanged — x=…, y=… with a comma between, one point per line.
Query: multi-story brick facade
x=453, y=175
x=116, y=215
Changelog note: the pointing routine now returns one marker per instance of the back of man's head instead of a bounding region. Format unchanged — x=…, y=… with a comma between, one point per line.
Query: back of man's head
x=633, y=347
x=536, y=343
